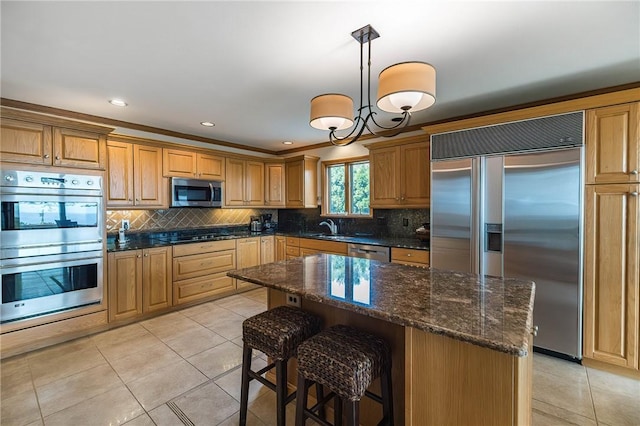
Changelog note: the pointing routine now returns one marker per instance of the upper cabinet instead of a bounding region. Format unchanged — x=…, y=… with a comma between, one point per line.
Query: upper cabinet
x=35, y=139
x=244, y=185
x=613, y=147
x=301, y=175
x=135, y=176
x=190, y=164
x=400, y=173
x=274, y=184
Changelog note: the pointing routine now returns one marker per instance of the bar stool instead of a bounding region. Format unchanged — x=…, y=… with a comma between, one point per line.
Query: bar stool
x=277, y=333
x=347, y=361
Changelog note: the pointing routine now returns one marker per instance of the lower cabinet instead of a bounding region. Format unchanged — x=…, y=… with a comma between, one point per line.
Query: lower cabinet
x=281, y=248
x=139, y=282
x=248, y=256
x=200, y=270
x=410, y=257
x=310, y=246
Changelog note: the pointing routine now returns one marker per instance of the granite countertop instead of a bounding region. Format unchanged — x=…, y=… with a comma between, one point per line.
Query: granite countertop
x=491, y=312
x=143, y=240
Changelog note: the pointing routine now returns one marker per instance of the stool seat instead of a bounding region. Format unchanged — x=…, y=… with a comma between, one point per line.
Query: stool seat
x=344, y=359
x=279, y=331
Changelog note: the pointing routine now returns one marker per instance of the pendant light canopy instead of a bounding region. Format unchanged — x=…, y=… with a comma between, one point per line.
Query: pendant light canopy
x=402, y=88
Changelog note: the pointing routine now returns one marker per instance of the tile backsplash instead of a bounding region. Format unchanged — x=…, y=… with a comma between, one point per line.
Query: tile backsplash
x=181, y=218
x=385, y=222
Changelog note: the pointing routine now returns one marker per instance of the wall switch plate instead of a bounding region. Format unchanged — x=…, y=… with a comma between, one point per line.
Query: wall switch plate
x=293, y=300
x=125, y=224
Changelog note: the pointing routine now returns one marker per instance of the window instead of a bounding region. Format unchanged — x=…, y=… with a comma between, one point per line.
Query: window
x=345, y=186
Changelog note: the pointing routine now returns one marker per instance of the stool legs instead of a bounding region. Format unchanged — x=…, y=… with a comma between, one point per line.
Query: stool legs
x=244, y=390
x=281, y=392
x=387, y=401
x=301, y=399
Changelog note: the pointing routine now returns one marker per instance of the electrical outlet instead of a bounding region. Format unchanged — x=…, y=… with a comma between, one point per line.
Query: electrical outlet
x=125, y=224
x=405, y=222
x=293, y=300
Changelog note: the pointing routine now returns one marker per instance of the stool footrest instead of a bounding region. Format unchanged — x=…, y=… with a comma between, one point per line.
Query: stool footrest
x=257, y=375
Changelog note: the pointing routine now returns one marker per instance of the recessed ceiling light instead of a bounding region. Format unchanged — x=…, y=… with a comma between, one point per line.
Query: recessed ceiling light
x=118, y=102
x=207, y=123
x=287, y=143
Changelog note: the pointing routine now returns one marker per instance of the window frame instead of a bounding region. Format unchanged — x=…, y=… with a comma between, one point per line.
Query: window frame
x=347, y=162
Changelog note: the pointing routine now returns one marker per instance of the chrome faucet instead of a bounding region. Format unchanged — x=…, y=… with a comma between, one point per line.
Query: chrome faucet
x=332, y=226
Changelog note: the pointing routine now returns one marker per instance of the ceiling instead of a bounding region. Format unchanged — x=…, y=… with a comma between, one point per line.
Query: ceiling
x=252, y=67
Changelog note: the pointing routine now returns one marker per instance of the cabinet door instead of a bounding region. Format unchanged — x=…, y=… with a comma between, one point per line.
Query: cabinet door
x=24, y=142
x=274, y=184
x=210, y=167
x=613, y=149
x=120, y=176
x=415, y=175
x=295, y=183
x=157, y=282
x=234, y=183
x=410, y=257
x=611, y=299
x=125, y=284
x=281, y=248
x=248, y=252
x=254, y=183
x=75, y=148
x=267, y=253
x=150, y=187
x=178, y=163
x=385, y=178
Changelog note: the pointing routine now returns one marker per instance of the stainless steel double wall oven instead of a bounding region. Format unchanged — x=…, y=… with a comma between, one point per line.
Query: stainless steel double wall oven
x=51, y=242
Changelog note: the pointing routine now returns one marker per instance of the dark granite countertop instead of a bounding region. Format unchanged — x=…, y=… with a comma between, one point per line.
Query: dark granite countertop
x=491, y=312
x=143, y=240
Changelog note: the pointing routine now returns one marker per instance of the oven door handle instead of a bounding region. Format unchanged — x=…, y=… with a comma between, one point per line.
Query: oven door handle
x=99, y=240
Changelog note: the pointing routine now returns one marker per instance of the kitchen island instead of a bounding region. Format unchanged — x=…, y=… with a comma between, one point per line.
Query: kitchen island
x=460, y=342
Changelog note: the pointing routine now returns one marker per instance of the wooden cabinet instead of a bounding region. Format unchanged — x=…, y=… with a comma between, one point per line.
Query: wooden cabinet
x=267, y=249
x=191, y=164
x=249, y=254
x=612, y=274
x=200, y=270
x=410, y=257
x=274, y=184
x=139, y=282
x=244, y=184
x=135, y=176
x=37, y=139
x=400, y=173
x=613, y=144
x=281, y=248
x=301, y=176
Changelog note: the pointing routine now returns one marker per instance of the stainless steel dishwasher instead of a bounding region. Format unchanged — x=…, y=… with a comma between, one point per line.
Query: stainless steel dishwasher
x=369, y=252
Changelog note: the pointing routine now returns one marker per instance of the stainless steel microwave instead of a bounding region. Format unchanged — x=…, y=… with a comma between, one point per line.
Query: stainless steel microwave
x=195, y=193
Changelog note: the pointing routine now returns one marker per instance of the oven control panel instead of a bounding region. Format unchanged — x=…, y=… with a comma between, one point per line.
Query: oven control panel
x=32, y=179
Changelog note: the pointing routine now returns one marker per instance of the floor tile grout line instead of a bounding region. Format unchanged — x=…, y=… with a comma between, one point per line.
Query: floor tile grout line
x=593, y=403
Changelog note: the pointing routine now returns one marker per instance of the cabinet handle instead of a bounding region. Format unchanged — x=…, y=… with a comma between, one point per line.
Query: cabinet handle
x=138, y=256
x=57, y=157
x=634, y=172
x=146, y=255
x=129, y=199
x=408, y=254
x=47, y=156
x=534, y=330
x=634, y=194
x=137, y=199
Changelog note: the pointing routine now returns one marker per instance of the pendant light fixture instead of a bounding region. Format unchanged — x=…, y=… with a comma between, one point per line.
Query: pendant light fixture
x=402, y=88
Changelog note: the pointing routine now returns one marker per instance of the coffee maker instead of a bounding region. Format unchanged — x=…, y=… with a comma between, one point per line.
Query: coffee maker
x=256, y=224
x=266, y=221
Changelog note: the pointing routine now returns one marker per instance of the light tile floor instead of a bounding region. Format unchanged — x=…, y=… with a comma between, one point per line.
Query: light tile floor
x=183, y=368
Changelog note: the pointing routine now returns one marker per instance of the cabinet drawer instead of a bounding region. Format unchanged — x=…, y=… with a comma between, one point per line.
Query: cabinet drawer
x=293, y=241
x=323, y=246
x=201, y=287
x=203, y=264
x=410, y=256
x=207, y=247
x=293, y=251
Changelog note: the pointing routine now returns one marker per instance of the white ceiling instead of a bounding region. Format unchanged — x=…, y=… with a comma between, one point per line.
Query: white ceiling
x=252, y=67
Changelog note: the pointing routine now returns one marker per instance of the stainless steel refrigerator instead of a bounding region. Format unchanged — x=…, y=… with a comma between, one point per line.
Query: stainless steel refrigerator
x=507, y=201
